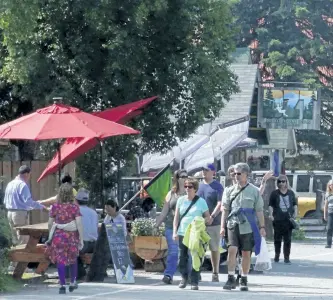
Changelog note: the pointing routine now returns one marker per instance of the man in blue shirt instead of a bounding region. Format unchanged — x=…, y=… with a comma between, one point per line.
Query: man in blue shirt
x=211, y=190
x=18, y=201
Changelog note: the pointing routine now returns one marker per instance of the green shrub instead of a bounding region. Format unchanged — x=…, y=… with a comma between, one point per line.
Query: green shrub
x=298, y=235
x=7, y=283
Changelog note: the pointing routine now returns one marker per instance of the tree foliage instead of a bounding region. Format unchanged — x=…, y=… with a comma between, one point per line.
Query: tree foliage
x=291, y=40
x=99, y=54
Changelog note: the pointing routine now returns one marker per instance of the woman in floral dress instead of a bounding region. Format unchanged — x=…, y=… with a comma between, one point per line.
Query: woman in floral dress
x=66, y=235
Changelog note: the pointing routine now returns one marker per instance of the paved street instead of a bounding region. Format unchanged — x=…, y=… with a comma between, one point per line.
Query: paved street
x=309, y=277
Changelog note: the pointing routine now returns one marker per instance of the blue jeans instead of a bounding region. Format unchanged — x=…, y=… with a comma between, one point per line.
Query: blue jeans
x=173, y=252
x=172, y=258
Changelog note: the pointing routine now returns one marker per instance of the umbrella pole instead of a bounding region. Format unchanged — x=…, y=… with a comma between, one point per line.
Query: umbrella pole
x=59, y=163
x=102, y=175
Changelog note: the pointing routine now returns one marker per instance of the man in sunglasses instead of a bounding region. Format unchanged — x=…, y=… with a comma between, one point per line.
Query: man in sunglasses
x=242, y=207
x=282, y=205
x=211, y=190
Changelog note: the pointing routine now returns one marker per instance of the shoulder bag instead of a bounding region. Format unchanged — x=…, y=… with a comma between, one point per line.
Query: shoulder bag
x=232, y=200
x=293, y=223
x=194, y=200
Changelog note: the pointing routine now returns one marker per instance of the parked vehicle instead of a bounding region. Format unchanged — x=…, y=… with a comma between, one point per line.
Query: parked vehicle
x=305, y=184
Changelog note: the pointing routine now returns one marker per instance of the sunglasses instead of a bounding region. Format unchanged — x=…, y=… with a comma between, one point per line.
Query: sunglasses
x=188, y=186
x=238, y=174
x=183, y=176
x=281, y=181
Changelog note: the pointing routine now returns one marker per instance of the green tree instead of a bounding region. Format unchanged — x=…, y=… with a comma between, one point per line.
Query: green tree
x=107, y=53
x=292, y=42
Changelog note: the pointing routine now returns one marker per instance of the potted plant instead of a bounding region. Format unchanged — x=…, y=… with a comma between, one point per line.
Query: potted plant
x=148, y=241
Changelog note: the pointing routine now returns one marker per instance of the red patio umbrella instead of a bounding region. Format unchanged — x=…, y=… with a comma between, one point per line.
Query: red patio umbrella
x=74, y=147
x=61, y=121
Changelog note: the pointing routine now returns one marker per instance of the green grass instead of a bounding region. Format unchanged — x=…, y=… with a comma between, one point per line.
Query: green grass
x=8, y=284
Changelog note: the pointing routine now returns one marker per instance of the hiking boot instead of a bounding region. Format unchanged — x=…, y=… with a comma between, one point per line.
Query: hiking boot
x=215, y=277
x=287, y=261
x=62, y=290
x=277, y=258
x=238, y=279
x=243, y=284
x=231, y=283
x=167, y=279
x=72, y=287
x=194, y=287
x=183, y=283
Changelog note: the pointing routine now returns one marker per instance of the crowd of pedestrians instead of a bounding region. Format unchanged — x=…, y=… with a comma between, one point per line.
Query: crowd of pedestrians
x=193, y=213
x=234, y=214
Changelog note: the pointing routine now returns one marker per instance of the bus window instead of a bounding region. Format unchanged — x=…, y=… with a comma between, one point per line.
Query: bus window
x=303, y=183
x=324, y=179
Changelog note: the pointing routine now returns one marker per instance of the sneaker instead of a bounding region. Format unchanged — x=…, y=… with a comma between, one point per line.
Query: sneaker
x=243, y=284
x=167, y=279
x=183, y=283
x=231, y=283
x=194, y=287
x=287, y=261
x=215, y=277
x=28, y=270
x=328, y=246
x=72, y=287
x=62, y=290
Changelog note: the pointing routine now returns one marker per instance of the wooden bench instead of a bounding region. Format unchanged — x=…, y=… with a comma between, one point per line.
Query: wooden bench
x=20, y=254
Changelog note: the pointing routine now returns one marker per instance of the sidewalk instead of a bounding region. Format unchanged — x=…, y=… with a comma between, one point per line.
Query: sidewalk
x=309, y=277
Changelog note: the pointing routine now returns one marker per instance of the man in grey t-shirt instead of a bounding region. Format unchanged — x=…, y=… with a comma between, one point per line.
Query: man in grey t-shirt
x=211, y=190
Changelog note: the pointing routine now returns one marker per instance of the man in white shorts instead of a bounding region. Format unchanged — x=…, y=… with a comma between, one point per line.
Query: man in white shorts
x=211, y=190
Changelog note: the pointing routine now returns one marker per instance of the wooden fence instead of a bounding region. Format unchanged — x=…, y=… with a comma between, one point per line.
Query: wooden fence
x=44, y=189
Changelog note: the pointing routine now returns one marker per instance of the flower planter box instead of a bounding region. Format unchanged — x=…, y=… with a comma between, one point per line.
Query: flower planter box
x=150, y=247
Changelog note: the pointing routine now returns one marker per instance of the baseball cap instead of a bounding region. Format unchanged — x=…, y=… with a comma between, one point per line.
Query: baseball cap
x=82, y=195
x=24, y=169
x=209, y=167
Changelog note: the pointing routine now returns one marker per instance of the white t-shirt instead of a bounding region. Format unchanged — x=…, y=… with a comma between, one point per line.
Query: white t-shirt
x=119, y=219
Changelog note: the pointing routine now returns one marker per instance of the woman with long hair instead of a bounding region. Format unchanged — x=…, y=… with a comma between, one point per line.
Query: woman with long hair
x=167, y=216
x=66, y=236
x=328, y=213
x=282, y=205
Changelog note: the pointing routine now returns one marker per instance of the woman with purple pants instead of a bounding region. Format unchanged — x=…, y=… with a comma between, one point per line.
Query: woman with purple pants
x=66, y=236
x=167, y=216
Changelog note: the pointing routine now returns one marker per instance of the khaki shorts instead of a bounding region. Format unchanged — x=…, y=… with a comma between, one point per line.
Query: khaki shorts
x=215, y=237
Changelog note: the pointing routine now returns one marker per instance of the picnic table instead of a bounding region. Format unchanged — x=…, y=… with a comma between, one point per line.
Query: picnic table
x=32, y=251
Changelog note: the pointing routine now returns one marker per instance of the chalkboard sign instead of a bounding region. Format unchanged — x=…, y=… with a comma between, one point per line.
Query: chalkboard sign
x=119, y=253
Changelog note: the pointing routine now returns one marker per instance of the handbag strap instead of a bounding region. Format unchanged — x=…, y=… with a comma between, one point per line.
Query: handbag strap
x=194, y=200
x=242, y=189
x=285, y=203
